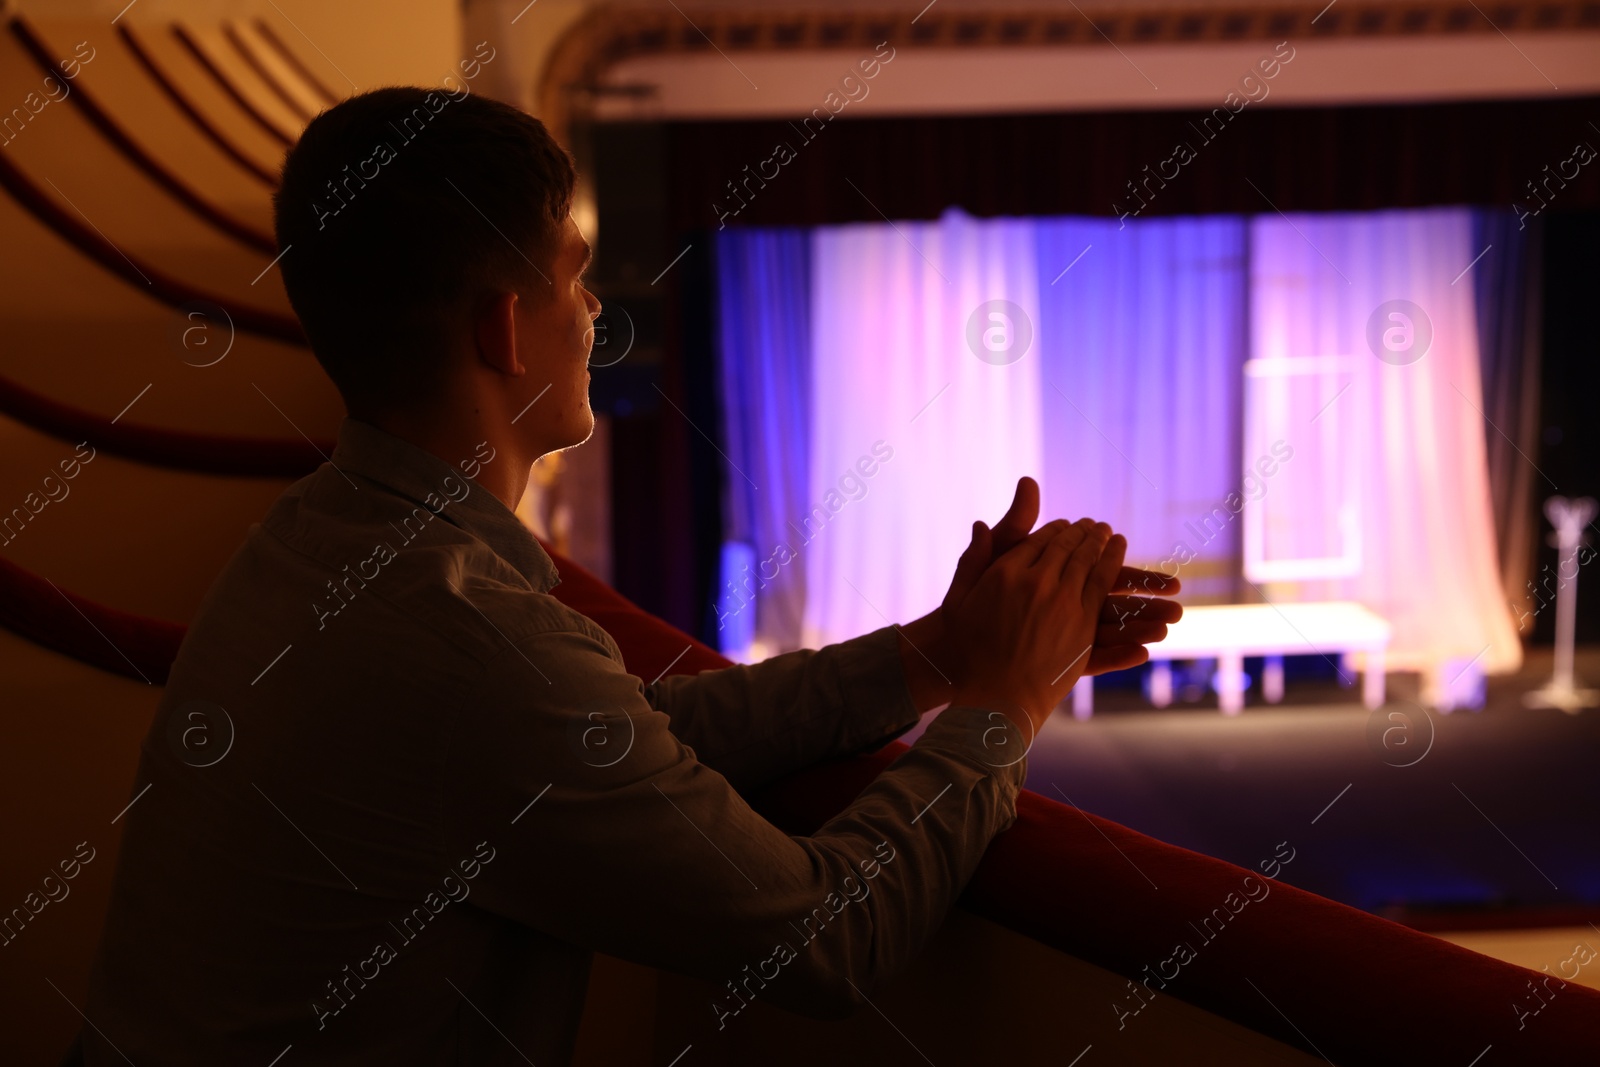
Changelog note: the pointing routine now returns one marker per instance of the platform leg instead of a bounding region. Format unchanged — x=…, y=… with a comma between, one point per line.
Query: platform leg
x=1272, y=679
x=1083, y=698
x=1230, y=682
x=1372, y=680
x=1347, y=669
x=1161, y=683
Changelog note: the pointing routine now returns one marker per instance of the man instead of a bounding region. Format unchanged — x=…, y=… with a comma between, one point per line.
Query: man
x=396, y=793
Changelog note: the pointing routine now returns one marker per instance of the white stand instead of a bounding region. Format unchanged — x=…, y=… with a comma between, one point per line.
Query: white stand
x=1569, y=517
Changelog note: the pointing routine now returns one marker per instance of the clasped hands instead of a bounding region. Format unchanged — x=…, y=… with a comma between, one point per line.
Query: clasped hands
x=1030, y=611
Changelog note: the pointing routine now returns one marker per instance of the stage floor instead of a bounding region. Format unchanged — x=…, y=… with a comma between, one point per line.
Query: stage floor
x=1496, y=827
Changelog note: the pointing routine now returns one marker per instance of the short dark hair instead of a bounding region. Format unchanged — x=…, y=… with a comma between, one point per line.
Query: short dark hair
x=399, y=206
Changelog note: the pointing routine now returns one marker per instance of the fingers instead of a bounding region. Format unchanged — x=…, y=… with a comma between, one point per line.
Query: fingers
x=1027, y=553
x=1146, y=583
x=970, y=567
x=1104, y=574
x=982, y=544
x=1084, y=560
x=1019, y=518
x=1052, y=561
x=1134, y=633
x=1123, y=611
x=1118, y=658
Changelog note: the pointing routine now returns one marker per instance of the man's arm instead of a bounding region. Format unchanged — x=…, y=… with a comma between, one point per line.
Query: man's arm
x=755, y=723
x=626, y=843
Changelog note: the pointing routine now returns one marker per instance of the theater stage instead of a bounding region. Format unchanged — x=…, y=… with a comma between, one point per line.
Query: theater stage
x=1493, y=830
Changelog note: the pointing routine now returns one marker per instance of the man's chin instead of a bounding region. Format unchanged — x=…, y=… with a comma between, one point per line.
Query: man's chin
x=582, y=436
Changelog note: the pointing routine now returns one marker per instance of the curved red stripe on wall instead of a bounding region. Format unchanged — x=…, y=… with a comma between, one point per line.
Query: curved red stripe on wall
x=263, y=457
x=112, y=131
x=134, y=646
x=288, y=56
x=224, y=82
x=164, y=287
x=263, y=72
x=194, y=114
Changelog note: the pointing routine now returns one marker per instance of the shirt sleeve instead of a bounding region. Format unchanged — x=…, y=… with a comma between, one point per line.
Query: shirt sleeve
x=756, y=723
x=608, y=832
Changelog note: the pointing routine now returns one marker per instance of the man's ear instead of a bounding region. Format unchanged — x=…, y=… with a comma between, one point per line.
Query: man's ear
x=495, y=332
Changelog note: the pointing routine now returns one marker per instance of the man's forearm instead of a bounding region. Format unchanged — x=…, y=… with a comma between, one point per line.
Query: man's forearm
x=922, y=654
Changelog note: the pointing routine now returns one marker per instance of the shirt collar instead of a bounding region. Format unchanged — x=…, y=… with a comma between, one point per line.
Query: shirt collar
x=415, y=473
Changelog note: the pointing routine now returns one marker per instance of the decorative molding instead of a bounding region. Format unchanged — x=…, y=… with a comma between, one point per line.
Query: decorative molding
x=610, y=34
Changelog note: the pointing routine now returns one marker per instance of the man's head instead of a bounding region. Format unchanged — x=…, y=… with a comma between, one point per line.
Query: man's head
x=430, y=254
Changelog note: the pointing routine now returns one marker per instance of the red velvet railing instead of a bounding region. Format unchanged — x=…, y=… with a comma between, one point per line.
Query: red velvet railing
x=1305, y=970
x=185, y=194
x=194, y=114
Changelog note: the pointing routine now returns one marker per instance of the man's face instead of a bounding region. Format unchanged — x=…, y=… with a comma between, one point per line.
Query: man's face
x=554, y=337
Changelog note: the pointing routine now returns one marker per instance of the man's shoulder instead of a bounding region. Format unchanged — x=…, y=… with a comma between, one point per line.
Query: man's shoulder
x=508, y=613
x=443, y=578
x=364, y=563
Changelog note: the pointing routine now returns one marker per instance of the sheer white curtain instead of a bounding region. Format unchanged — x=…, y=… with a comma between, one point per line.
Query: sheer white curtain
x=920, y=421
x=891, y=363
x=1330, y=287
x=1142, y=341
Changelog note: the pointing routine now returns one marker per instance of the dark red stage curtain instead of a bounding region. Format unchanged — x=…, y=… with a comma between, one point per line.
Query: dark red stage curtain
x=1291, y=159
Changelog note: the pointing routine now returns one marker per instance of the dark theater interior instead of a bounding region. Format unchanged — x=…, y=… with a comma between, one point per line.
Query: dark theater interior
x=698, y=533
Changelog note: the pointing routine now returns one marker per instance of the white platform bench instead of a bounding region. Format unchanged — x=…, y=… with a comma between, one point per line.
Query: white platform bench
x=1230, y=632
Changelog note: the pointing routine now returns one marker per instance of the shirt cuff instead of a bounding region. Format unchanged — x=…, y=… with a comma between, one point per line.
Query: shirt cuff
x=872, y=678
x=985, y=739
